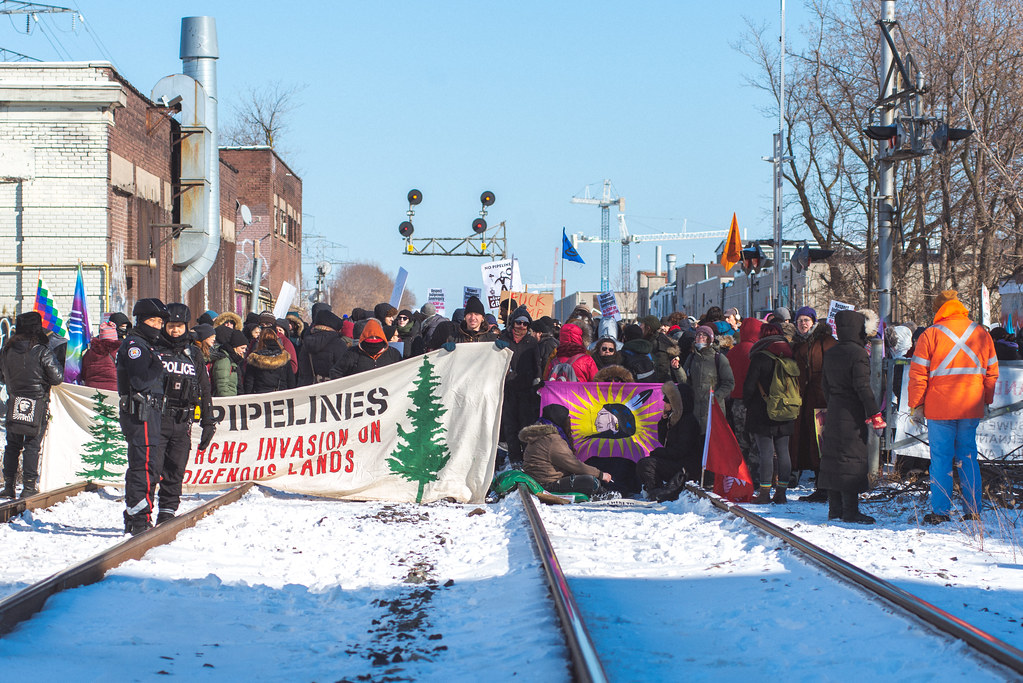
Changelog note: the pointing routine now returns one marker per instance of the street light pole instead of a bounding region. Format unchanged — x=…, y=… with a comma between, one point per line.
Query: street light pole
x=886, y=198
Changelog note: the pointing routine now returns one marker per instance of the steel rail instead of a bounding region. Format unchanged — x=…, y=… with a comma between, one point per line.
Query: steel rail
x=12, y=509
x=26, y=602
x=932, y=615
x=586, y=666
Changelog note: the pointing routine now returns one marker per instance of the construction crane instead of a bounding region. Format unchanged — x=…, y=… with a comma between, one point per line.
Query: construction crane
x=605, y=201
x=627, y=239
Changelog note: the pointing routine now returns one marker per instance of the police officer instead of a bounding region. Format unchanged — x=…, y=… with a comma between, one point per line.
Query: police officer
x=140, y=379
x=186, y=385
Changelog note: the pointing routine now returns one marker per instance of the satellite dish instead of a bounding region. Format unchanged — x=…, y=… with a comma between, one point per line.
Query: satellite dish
x=324, y=267
x=246, y=215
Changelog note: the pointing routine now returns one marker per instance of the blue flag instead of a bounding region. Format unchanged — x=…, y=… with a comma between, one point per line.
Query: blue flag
x=568, y=252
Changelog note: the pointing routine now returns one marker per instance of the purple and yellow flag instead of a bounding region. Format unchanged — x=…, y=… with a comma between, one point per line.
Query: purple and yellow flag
x=79, y=334
x=609, y=420
x=45, y=308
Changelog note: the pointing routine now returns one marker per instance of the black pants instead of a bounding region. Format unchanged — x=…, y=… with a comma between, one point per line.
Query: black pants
x=654, y=471
x=28, y=448
x=842, y=504
x=520, y=410
x=575, y=483
x=145, y=462
x=176, y=444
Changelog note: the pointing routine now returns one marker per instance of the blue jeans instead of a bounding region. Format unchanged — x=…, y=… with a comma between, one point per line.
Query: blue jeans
x=954, y=440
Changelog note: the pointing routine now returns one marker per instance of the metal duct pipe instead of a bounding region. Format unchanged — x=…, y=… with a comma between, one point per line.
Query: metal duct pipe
x=657, y=260
x=671, y=269
x=199, y=55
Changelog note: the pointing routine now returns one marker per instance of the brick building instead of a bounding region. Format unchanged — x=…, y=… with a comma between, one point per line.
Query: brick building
x=273, y=193
x=88, y=168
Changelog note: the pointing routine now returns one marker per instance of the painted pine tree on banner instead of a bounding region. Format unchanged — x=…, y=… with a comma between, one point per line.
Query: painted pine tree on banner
x=422, y=452
x=107, y=447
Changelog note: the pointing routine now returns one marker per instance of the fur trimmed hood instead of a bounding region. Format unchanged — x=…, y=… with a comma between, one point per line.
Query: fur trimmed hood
x=614, y=373
x=268, y=359
x=681, y=399
x=870, y=322
x=528, y=435
x=228, y=317
x=299, y=323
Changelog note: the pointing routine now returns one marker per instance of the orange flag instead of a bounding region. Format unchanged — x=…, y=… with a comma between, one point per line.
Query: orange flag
x=732, y=253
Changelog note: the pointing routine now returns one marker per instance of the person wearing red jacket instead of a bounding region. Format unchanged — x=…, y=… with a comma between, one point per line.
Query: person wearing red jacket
x=98, y=370
x=952, y=376
x=571, y=349
x=735, y=407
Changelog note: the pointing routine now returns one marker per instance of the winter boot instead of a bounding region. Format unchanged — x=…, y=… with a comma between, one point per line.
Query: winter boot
x=763, y=496
x=136, y=524
x=834, y=505
x=818, y=496
x=8, y=491
x=29, y=488
x=935, y=518
x=164, y=516
x=779, y=495
x=851, y=510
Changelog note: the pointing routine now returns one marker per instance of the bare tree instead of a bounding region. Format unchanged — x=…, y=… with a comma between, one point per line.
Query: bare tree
x=363, y=285
x=261, y=115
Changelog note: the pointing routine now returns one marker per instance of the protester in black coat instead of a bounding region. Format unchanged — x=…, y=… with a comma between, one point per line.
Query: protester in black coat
x=771, y=436
x=851, y=402
x=268, y=366
x=521, y=404
x=28, y=368
x=679, y=432
x=322, y=348
x=370, y=353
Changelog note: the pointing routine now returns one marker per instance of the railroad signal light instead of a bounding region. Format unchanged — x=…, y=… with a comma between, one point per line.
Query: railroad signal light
x=479, y=225
x=943, y=135
x=881, y=132
x=487, y=199
x=414, y=197
x=406, y=229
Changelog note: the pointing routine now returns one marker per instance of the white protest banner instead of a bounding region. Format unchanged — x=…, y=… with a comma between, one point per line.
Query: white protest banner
x=497, y=277
x=415, y=431
x=985, y=306
x=538, y=304
x=998, y=437
x=609, y=306
x=833, y=308
x=284, y=299
x=436, y=297
x=471, y=291
x=399, y=288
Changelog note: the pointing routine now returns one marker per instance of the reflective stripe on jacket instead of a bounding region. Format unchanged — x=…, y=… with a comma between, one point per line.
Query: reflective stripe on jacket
x=954, y=367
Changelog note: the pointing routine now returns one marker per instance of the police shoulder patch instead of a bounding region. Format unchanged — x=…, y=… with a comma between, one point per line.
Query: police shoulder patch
x=134, y=352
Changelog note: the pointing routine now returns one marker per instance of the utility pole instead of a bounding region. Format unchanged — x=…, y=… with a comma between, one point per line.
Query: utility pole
x=886, y=173
x=778, y=158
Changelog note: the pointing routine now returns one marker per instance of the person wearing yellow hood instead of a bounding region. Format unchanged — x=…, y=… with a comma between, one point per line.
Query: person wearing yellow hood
x=371, y=352
x=952, y=377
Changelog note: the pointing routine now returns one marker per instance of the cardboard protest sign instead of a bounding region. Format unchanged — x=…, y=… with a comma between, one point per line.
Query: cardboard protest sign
x=538, y=304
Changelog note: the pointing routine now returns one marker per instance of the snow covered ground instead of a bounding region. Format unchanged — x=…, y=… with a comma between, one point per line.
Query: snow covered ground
x=287, y=587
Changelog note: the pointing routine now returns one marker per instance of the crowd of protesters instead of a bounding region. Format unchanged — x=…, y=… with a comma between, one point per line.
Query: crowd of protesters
x=736, y=360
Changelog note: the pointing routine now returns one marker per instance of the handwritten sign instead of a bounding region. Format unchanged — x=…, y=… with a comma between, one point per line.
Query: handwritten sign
x=538, y=304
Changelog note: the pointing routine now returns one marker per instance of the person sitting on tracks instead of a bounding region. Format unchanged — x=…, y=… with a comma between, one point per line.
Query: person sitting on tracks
x=28, y=368
x=663, y=472
x=549, y=456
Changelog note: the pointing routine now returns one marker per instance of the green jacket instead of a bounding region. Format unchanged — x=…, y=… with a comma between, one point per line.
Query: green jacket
x=226, y=377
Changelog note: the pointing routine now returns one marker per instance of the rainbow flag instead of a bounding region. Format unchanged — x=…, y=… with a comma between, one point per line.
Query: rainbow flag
x=44, y=307
x=79, y=334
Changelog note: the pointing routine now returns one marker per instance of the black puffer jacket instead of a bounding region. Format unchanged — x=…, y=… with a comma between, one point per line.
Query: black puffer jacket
x=322, y=348
x=28, y=368
x=268, y=369
x=356, y=360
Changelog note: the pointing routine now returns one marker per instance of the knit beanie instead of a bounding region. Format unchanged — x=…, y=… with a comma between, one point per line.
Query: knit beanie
x=474, y=305
x=943, y=298
x=705, y=329
x=808, y=312
x=108, y=331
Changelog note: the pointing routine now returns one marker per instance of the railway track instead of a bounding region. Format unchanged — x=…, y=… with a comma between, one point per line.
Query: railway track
x=30, y=600
x=13, y=508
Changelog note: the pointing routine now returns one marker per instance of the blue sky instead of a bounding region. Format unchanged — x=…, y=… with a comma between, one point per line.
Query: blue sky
x=531, y=100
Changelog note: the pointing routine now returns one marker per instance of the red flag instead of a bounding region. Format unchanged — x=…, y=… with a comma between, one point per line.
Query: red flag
x=722, y=456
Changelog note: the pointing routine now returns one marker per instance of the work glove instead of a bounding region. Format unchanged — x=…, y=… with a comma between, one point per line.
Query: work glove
x=449, y=346
x=876, y=421
x=207, y=436
x=502, y=344
x=917, y=415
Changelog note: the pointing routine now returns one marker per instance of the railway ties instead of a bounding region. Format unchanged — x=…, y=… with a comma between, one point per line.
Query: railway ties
x=15, y=507
x=27, y=602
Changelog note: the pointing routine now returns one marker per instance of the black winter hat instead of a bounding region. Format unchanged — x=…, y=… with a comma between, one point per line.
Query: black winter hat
x=150, y=308
x=223, y=335
x=520, y=312
x=542, y=326
x=382, y=311
x=178, y=313
x=28, y=323
x=204, y=331
x=358, y=314
x=237, y=339
x=328, y=319
x=119, y=319
x=474, y=305
x=283, y=324
x=632, y=332
x=205, y=319
x=251, y=318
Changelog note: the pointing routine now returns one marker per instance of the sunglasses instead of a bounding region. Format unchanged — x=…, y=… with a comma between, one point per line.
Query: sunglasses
x=520, y=323
x=607, y=349
x=402, y=317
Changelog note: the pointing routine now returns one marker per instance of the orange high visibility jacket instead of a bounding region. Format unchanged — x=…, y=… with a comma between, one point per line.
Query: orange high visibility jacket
x=954, y=367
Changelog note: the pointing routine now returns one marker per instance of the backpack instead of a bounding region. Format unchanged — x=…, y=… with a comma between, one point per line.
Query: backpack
x=783, y=399
x=641, y=365
x=563, y=371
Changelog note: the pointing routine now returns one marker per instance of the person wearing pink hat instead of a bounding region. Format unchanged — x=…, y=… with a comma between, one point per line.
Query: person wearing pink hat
x=98, y=369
